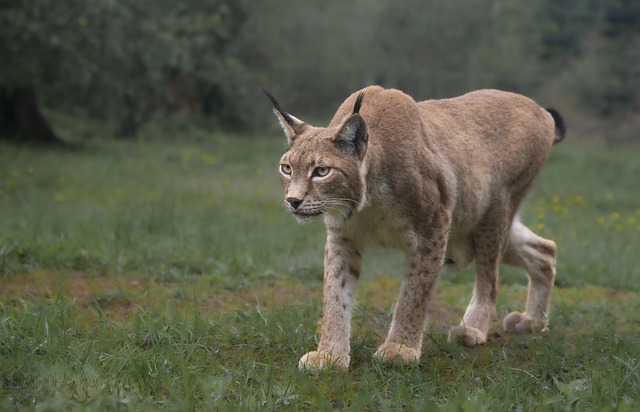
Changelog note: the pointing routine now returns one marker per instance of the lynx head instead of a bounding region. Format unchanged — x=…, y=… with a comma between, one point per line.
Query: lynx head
x=322, y=171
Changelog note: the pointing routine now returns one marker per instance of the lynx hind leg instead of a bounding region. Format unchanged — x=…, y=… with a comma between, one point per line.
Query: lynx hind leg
x=537, y=256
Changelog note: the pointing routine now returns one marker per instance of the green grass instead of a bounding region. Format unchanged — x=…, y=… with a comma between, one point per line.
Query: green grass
x=209, y=208
x=166, y=275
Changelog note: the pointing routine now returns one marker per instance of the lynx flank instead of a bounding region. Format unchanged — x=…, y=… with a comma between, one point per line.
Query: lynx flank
x=442, y=180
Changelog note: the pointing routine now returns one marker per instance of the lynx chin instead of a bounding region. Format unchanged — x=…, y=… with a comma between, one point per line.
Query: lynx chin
x=441, y=180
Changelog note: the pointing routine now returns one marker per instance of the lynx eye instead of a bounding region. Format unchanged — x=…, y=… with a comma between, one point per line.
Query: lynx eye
x=321, y=171
x=286, y=169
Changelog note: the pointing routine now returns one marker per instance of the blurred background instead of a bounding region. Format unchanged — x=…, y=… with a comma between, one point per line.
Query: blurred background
x=150, y=264
x=126, y=65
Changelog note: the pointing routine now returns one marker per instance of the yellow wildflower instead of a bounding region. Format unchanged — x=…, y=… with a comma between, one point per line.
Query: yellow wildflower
x=186, y=155
x=208, y=159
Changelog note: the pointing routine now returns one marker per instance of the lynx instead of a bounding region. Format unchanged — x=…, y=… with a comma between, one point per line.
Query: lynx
x=441, y=180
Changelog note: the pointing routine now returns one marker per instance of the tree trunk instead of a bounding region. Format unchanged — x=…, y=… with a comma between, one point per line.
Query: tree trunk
x=21, y=119
x=130, y=124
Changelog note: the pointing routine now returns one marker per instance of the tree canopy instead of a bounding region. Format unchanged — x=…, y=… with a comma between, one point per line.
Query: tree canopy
x=130, y=62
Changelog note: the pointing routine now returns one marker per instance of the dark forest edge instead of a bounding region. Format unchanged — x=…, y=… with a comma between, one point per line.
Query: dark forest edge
x=129, y=65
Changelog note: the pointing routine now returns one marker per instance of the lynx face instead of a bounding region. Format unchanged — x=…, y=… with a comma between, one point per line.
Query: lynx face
x=322, y=170
x=320, y=178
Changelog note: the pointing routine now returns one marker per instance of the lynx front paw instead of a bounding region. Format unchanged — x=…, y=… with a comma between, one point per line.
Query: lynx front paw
x=314, y=361
x=467, y=335
x=391, y=351
x=520, y=323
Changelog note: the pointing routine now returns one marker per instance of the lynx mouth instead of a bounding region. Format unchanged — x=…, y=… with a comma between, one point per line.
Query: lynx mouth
x=302, y=217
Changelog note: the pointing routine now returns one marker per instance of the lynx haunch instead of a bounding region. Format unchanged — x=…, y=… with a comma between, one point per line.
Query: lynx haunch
x=441, y=180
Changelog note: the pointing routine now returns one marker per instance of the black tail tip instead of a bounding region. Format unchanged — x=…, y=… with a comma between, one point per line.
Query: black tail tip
x=561, y=127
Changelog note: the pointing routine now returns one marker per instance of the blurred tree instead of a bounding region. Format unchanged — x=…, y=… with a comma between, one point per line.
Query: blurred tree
x=129, y=62
x=20, y=116
x=563, y=25
x=419, y=53
x=607, y=70
x=314, y=53
x=506, y=53
x=113, y=59
x=621, y=56
x=30, y=58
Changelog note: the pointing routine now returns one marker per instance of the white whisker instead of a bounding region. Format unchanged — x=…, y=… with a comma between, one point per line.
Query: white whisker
x=342, y=199
x=339, y=210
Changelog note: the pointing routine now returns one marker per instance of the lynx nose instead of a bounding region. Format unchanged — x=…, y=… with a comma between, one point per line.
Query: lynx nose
x=294, y=202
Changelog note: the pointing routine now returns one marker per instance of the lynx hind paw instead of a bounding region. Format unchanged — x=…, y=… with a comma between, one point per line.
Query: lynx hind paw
x=467, y=336
x=390, y=352
x=521, y=323
x=315, y=361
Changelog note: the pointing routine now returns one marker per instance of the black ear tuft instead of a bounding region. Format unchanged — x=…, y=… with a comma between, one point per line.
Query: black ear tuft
x=356, y=107
x=273, y=99
x=276, y=106
x=291, y=125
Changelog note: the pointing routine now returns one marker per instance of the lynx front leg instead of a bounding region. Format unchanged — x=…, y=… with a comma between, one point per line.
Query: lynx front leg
x=404, y=341
x=477, y=318
x=342, y=262
x=489, y=244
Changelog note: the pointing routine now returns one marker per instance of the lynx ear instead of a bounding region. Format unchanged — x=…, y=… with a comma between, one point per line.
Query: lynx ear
x=291, y=125
x=353, y=135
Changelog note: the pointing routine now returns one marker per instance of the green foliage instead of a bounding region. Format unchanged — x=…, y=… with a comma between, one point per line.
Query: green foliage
x=134, y=63
x=122, y=60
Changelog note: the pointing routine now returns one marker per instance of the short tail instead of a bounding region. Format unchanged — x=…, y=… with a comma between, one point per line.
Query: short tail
x=561, y=127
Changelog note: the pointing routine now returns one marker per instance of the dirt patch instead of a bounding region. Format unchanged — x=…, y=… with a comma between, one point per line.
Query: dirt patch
x=119, y=297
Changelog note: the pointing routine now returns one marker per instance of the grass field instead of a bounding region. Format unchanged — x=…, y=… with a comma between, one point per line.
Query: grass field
x=166, y=274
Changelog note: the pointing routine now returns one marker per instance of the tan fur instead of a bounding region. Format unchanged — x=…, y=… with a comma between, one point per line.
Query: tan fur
x=441, y=180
